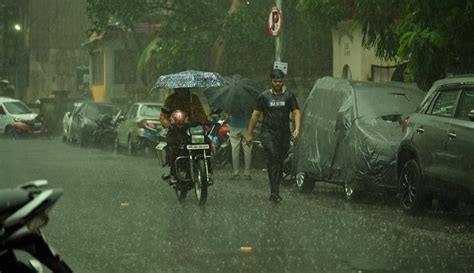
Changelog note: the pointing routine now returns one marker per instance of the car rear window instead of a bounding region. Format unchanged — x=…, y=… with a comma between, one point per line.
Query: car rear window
x=150, y=110
x=94, y=110
x=17, y=108
x=388, y=104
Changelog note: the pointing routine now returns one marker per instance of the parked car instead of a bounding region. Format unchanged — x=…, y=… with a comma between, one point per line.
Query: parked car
x=67, y=120
x=139, y=128
x=85, y=122
x=17, y=119
x=436, y=156
x=350, y=133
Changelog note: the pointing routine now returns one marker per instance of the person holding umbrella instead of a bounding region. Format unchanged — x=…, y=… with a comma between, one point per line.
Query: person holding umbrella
x=190, y=104
x=276, y=105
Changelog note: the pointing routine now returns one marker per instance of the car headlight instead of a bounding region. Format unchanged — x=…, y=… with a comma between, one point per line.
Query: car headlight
x=197, y=139
x=16, y=119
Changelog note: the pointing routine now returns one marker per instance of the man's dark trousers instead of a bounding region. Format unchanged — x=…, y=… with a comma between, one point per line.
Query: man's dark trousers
x=276, y=147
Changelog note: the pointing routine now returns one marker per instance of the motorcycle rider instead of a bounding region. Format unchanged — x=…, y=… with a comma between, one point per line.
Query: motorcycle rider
x=276, y=105
x=190, y=104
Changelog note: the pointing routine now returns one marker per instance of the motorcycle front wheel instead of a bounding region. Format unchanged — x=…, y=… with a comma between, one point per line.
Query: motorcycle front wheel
x=200, y=181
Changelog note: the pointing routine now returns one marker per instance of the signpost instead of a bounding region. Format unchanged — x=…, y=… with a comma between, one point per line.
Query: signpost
x=275, y=23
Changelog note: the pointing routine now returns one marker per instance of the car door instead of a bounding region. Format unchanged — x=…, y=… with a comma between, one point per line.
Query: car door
x=430, y=136
x=460, y=146
x=3, y=119
x=131, y=122
x=76, y=122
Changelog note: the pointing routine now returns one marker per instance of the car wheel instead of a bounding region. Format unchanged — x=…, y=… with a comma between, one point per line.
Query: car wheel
x=350, y=192
x=130, y=148
x=304, y=182
x=412, y=198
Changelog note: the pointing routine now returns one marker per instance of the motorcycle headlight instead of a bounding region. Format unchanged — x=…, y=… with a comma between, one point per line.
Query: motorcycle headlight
x=38, y=222
x=197, y=139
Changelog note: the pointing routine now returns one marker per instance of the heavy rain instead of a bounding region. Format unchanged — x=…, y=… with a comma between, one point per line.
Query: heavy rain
x=236, y=136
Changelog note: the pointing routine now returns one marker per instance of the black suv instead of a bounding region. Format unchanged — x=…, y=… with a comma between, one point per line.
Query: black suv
x=436, y=157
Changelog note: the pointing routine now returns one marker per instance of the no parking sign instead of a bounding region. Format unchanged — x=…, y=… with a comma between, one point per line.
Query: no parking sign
x=275, y=21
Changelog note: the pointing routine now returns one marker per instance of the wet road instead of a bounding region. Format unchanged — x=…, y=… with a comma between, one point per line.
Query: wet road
x=118, y=216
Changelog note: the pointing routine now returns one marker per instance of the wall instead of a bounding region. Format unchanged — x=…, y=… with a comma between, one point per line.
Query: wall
x=56, y=29
x=348, y=50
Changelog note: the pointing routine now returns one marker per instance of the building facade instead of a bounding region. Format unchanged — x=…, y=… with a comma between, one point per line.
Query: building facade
x=43, y=54
x=352, y=61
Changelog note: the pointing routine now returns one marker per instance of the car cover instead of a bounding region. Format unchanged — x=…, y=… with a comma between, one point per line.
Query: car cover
x=350, y=130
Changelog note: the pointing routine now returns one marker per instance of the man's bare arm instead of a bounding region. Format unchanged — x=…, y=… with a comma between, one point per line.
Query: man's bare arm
x=252, y=124
x=297, y=121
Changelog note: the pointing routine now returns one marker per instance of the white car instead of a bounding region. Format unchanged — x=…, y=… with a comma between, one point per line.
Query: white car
x=14, y=112
x=67, y=119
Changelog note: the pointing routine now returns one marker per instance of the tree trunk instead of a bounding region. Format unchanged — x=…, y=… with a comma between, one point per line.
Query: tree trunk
x=219, y=44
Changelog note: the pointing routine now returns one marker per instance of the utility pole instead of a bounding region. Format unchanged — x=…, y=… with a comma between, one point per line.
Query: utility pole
x=279, y=38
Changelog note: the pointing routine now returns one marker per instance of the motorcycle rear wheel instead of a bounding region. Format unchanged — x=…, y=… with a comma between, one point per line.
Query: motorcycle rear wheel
x=200, y=181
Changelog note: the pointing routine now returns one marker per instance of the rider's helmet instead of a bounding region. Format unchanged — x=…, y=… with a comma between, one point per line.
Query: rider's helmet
x=179, y=118
x=224, y=130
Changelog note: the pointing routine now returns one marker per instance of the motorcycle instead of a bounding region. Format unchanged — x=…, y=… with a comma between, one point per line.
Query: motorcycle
x=106, y=131
x=21, y=128
x=150, y=137
x=219, y=132
x=193, y=163
x=23, y=212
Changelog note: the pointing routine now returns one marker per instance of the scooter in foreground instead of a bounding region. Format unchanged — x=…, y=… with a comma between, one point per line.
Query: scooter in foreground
x=23, y=212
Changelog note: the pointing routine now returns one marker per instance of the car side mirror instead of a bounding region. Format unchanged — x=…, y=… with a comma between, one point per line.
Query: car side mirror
x=121, y=118
x=471, y=115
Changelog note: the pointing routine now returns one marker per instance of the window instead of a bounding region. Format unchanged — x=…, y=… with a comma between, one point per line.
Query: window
x=17, y=108
x=444, y=104
x=150, y=110
x=125, y=63
x=2, y=112
x=466, y=104
x=97, y=68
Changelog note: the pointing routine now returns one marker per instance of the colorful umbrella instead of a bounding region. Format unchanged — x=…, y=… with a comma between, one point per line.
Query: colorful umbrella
x=190, y=79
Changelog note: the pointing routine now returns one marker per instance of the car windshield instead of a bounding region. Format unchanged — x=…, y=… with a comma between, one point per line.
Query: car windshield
x=94, y=110
x=150, y=110
x=387, y=104
x=17, y=108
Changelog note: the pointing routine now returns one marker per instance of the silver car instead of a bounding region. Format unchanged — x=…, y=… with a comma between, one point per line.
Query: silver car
x=139, y=128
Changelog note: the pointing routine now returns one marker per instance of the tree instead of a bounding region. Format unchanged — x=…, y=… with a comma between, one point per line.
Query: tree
x=432, y=35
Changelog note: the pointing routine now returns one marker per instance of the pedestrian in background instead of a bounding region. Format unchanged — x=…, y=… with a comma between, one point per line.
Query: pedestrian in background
x=238, y=137
x=276, y=105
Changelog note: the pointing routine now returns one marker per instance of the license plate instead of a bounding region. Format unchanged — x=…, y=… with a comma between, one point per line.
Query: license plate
x=197, y=147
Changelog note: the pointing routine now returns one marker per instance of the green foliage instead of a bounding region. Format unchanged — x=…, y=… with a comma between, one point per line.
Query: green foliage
x=123, y=12
x=433, y=35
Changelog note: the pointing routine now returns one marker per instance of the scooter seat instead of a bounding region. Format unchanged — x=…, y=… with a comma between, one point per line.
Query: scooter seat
x=11, y=200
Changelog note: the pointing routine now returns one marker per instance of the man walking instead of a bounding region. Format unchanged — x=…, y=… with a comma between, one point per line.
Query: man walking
x=276, y=105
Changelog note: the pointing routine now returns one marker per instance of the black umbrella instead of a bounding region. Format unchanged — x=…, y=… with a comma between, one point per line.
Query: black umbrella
x=237, y=98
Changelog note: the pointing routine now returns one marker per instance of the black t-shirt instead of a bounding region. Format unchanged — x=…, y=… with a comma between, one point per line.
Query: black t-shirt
x=276, y=110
